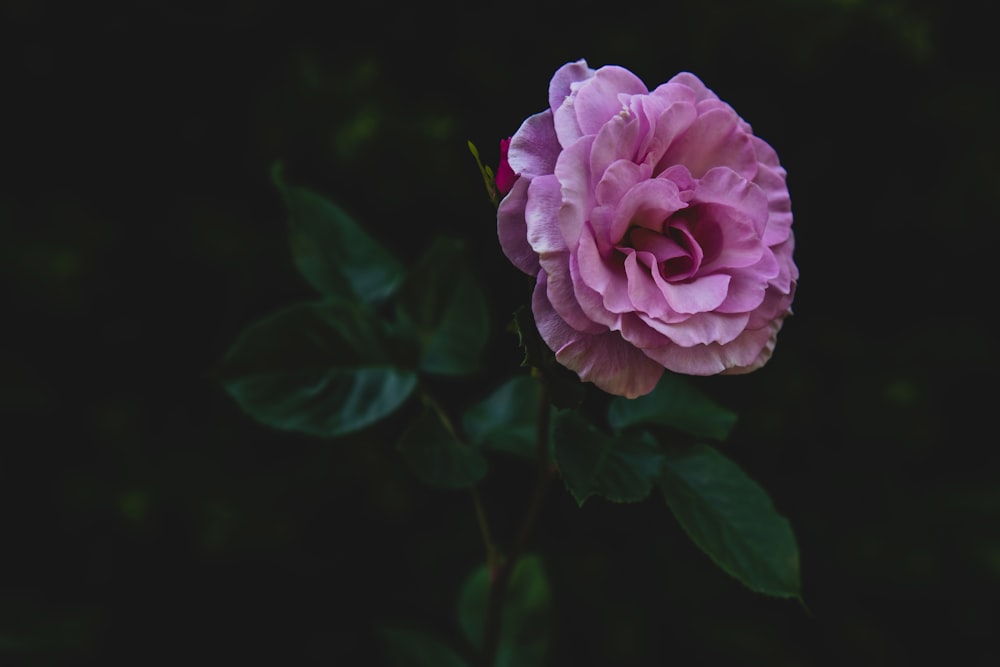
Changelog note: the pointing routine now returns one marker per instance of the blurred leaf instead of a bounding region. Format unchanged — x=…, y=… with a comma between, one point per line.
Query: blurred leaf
x=731, y=519
x=622, y=469
x=444, y=307
x=409, y=648
x=677, y=404
x=526, y=619
x=565, y=390
x=314, y=368
x=332, y=252
x=507, y=420
x=436, y=455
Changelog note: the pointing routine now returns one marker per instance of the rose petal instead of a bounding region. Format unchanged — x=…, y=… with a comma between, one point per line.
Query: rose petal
x=637, y=332
x=561, y=294
x=701, y=91
x=534, y=147
x=645, y=295
x=701, y=295
x=512, y=229
x=541, y=215
x=672, y=123
x=605, y=359
x=615, y=142
x=701, y=328
x=562, y=81
x=647, y=204
x=603, y=274
x=712, y=140
x=617, y=179
x=597, y=100
x=591, y=302
x=771, y=178
x=676, y=91
x=766, y=350
x=574, y=179
x=746, y=291
x=730, y=218
x=740, y=355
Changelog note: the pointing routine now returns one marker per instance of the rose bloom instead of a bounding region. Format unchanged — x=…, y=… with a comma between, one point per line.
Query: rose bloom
x=658, y=227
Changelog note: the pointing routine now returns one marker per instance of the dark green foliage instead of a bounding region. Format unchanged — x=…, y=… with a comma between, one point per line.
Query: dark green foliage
x=526, y=619
x=507, y=420
x=674, y=403
x=621, y=469
x=409, y=648
x=315, y=368
x=331, y=251
x=732, y=519
x=443, y=307
x=436, y=456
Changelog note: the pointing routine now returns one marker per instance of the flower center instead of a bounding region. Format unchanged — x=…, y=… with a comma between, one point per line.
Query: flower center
x=675, y=253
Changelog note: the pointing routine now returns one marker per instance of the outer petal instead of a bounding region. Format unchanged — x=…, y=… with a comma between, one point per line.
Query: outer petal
x=605, y=359
x=765, y=352
x=512, y=230
x=562, y=295
x=688, y=79
x=598, y=101
x=562, y=81
x=742, y=353
x=771, y=178
x=534, y=148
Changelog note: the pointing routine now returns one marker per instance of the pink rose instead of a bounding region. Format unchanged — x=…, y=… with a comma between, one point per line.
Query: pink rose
x=659, y=229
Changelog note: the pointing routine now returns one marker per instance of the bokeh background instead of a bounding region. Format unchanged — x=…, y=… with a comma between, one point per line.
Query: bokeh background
x=146, y=521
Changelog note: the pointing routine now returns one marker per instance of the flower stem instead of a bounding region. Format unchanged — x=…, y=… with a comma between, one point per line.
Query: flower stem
x=500, y=572
x=492, y=553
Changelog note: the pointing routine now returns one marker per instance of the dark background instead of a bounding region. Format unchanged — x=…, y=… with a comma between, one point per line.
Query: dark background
x=144, y=520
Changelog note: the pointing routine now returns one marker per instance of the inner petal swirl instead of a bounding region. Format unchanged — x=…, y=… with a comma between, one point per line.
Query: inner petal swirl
x=674, y=253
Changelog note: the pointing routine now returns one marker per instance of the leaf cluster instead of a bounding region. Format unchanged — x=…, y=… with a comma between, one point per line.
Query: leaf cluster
x=376, y=329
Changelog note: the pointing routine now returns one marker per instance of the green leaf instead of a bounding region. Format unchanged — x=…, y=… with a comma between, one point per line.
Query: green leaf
x=507, y=420
x=314, y=368
x=331, y=251
x=526, y=618
x=437, y=457
x=622, y=469
x=409, y=648
x=674, y=403
x=444, y=308
x=731, y=519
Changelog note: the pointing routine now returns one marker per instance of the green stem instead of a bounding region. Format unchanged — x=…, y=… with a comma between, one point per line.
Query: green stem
x=492, y=553
x=501, y=572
